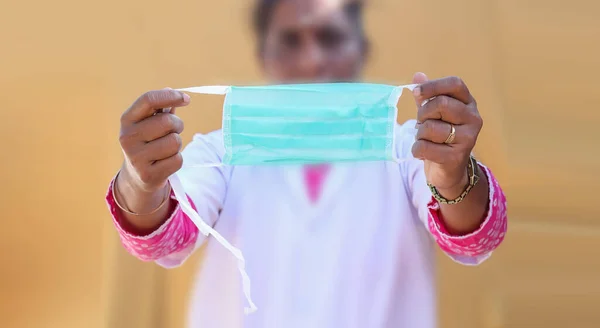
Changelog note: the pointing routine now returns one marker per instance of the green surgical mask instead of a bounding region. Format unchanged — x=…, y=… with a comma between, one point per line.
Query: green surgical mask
x=307, y=123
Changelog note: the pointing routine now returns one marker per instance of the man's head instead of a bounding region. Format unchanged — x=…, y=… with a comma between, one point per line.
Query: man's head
x=310, y=40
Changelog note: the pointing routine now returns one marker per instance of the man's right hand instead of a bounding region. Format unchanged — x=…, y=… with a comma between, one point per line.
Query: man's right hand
x=151, y=142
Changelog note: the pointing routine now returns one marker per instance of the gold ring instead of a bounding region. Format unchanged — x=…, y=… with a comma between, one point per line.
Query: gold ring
x=452, y=135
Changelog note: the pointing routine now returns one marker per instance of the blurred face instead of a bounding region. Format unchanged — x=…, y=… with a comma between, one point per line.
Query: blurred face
x=312, y=41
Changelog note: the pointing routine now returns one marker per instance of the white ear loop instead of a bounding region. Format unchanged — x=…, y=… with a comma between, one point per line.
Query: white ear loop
x=208, y=90
x=202, y=165
x=393, y=101
x=186, y=207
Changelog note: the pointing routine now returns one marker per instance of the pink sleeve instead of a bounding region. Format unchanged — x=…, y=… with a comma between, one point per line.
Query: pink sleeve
x=482, y=241
x=175, y=235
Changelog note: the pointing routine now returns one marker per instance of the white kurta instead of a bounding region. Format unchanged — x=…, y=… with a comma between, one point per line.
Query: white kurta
x=361, y=257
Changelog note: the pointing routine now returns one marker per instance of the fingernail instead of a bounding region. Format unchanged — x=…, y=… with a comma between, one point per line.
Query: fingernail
x=167, y=88
x=186, y=98
x=417, y=92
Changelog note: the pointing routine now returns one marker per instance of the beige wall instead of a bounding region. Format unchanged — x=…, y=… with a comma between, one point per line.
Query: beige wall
x=69, y=68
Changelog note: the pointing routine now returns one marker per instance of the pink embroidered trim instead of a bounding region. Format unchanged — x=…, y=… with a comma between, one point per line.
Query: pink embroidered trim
x=176, y=234
x=485, y=239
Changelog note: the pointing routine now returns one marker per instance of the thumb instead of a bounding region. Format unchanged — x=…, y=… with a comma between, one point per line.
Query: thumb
x=419, y=78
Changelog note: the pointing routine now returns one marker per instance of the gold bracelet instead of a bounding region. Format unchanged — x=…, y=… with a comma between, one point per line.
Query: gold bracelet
x=473, y=179
x=126, y=210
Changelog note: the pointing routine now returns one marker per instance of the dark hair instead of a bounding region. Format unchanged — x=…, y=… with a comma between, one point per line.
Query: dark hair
x=263, y=11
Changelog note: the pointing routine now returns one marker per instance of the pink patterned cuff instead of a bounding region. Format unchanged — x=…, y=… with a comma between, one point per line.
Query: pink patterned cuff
x=176, y=234
x=485, y=239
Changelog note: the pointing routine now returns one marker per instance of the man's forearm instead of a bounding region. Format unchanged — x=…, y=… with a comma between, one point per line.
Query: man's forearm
x=466, y=216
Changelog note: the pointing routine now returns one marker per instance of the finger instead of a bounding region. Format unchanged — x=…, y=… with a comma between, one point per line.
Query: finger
x=159, y=126
x=148, y=104
x=162, y=148
x=166, y=167
x=449, y=86
x=135, y=136
x=434, y=152
x=444, y=108
x=157, y=173
x=437, y=131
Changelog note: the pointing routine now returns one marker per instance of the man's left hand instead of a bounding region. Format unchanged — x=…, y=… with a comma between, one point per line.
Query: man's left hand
x=448, y=124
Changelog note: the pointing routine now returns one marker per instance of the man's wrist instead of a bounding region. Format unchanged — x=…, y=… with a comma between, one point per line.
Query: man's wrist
x=456, y=189
x=134, y=198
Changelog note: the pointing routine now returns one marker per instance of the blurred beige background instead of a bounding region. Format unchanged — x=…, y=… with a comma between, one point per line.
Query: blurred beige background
x=69, y=68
